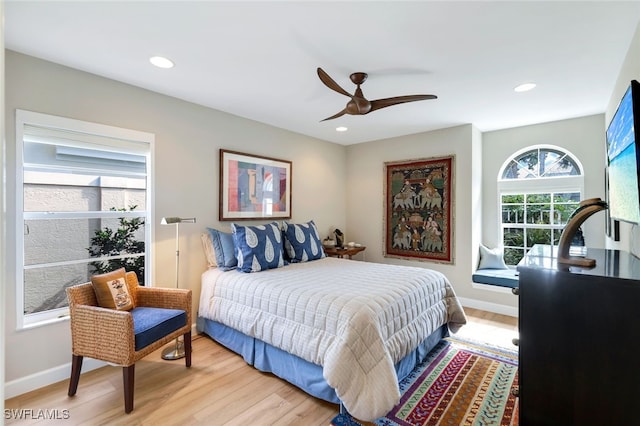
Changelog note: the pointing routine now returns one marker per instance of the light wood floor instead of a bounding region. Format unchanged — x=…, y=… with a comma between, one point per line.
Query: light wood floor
x=219, y=389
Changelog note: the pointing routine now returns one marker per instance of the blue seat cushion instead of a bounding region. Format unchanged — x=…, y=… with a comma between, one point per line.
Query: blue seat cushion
x=499, y=277
x=152, y=324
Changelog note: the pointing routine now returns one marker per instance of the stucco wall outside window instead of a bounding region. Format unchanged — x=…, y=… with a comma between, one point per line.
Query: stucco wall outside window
x=47, y=241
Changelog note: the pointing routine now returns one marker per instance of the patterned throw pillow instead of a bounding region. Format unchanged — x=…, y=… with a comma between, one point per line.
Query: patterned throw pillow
x=112, y=291
x=258, y=248
x=302, y=241
x=224, y=249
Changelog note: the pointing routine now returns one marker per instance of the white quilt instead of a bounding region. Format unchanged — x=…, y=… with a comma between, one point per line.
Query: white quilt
x=355, y=319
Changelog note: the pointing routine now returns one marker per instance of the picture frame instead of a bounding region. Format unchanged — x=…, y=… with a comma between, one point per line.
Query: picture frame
x=254, y=187
x=418, y=216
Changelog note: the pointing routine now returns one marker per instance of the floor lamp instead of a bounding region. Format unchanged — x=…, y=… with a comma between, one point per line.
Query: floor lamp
x=176, y=351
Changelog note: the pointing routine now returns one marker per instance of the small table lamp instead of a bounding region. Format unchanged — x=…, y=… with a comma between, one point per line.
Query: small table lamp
x=176, y=351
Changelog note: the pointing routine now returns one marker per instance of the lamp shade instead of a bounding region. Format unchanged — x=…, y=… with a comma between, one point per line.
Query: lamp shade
x=172, y=220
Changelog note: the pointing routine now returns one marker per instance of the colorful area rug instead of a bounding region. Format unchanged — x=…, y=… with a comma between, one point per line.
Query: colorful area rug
x=460, y=383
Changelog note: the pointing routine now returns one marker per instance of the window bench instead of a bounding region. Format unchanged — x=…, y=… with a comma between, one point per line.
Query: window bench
x=499, y=277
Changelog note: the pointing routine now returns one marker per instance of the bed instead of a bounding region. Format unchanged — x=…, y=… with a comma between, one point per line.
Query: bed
x=342, y=330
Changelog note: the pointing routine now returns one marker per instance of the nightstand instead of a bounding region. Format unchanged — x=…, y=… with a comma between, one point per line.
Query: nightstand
x=342, y=252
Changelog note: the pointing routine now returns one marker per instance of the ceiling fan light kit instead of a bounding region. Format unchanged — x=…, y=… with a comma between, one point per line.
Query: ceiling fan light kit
x=358, y=104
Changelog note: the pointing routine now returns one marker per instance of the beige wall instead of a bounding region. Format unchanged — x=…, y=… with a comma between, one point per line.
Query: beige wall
x=584, y=137
x=187, y=141
x=365, y=202
x=478, y=158
x=3, y=268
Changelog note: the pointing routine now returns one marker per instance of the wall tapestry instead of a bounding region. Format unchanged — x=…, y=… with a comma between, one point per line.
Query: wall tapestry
x=254, y=187
x=419, y=209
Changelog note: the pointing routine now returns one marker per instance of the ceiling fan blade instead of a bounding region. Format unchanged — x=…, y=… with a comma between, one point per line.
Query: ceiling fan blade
x=328, y=81
x=383, y=103
x=340, y=114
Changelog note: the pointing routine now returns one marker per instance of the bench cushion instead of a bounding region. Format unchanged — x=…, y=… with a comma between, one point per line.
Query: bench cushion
x=499, y=277
x=152, y=324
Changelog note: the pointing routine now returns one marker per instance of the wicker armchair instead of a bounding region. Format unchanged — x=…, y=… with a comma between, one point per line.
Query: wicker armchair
x=108, y=334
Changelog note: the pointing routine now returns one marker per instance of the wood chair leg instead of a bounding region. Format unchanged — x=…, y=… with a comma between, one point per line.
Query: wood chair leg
x=76, y=367
x=187, y=348
x=128, y=375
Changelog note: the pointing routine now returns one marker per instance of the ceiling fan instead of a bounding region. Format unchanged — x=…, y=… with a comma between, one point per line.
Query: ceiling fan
x=358, y=105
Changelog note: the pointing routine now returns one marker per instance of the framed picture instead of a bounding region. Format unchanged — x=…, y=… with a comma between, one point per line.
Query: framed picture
x=254, y=187
x=419, y=209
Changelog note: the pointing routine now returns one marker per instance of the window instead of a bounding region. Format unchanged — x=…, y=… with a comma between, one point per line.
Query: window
x=539, y=188
x=83, y=201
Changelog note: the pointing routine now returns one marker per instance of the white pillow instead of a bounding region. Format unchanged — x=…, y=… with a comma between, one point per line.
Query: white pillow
x=491, y=258
x=209, y=253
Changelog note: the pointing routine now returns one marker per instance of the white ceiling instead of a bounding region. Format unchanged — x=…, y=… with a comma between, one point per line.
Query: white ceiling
x=258, y=59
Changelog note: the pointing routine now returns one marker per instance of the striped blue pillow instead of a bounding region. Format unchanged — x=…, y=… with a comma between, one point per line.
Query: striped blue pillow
x=258, y=248
x=224, y=249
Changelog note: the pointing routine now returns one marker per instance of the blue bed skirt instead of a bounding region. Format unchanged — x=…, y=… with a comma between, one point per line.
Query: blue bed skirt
x=303, y=374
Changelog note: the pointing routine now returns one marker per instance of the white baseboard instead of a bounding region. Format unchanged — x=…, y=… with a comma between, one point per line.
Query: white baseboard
x=490, y=307
x=47, y=377
x=52, y=375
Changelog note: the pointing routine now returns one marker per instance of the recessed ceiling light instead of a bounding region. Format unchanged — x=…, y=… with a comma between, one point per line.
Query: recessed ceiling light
x=341, y=129
x=161, y=62
x=524, y=87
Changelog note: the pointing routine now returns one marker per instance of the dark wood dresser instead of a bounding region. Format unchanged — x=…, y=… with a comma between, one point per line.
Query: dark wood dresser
x=579, y=340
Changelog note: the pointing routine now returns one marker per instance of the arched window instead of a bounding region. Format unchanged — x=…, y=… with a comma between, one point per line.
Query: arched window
x=539, y=187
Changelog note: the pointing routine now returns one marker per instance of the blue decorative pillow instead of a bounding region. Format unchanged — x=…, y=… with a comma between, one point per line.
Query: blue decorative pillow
x=224, y=249
x=258, y=248
x=302, y=241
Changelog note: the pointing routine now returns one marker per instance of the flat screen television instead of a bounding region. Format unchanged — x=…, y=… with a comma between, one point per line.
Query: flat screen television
x=623, y=158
